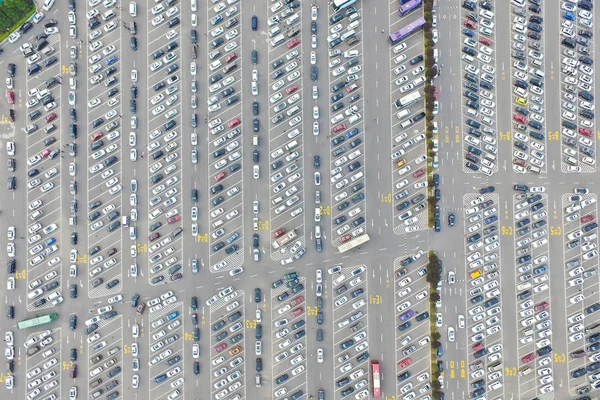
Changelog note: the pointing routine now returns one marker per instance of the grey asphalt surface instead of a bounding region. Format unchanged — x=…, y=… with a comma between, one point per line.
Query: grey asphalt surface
x=378, y=255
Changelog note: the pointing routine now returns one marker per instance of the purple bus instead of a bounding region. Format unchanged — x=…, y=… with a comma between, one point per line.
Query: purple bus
x=407, y=30
x=403, y=1
x=409, y=6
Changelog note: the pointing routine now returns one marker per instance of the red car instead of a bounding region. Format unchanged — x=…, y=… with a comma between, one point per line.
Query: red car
x=352, y=88
x=296, y=312
x=435, y=92
x=542, y=306
x=10, y=95
x=585, y=132
x=293, y=43
x=339, y=127
x=520, y=118
x=173, y=219
x=220, y=176
x=230, y=57
x=478, y=346
x=520, y=162
x=291, y=89
x=418, y=173
x=470, y=24
x=528, y=358
x=486, y=41
x=234, y=122
x=45, y=153
x=297, y=301
x=587, y=218
x=51, y=117
x=345, y=238
x=96, y=136
x=220, y=348
x=278, y=232
x=404, y=363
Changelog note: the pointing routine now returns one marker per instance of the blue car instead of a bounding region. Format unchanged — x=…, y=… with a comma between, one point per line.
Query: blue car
x=111, y=60
x=231, y=238
x=569, y=16
x=468, y=32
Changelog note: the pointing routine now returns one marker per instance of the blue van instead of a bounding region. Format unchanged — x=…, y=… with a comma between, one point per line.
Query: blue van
x=254, y=22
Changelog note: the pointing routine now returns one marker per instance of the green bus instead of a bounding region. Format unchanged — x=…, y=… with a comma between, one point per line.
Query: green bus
x=37, y=321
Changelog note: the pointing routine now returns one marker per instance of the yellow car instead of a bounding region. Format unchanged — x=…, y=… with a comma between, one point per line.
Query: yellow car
x=522, y=101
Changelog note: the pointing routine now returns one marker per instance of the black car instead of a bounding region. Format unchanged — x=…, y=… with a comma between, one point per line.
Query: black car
x=194, y=36
x=173, y=22
x=73, y=326
x=26, y=27
x=255, y=109
x=10, y=312
x=255, y=125
x=314, y=73
x=73, y=291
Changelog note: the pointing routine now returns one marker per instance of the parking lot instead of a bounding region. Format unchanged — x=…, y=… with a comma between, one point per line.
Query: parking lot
x=104, y=180
x=530, y=210
x=350, y=326
x=527, y=69
x=45, y=179
x=286, y=127
x=227, y=370
x=347, y=125
x=43, y=364
x=225, y=165
x=413, y=347
x=407, y=111
x=482, y=251
x=166, y=338
x=581, y=285
x=577, y=89
x=105, y=361
x=479, y=117
x=164, y=146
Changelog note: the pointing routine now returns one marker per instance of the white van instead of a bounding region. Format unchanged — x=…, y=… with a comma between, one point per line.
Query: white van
x=274, y=31
x=133, y=9
x=132, y=233
x=255, y=140
x=406, y=124
x=277, y=40
x=471, y=112
x=108, y=15
x=156, y=213
x=293, y=19
x=404, y=113
x=436, y=54
x=125, y=221
x=534, y=169
x=291, y=145
x=217, y=224
x=215, y=65
x=490, y=157
x=354, y=17
x=353, y=25
x=293, y=111
x=348, y=34
x=54, y=295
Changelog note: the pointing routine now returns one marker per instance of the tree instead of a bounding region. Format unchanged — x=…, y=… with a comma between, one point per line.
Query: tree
x=436, y=336
x=435, y=296
x=435, y=345
x=436, y=385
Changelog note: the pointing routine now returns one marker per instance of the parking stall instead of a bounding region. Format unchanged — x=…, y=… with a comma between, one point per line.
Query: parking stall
x=532, y=281
x=44, y=178
x=165, y=138
x=225, y=164
x=346, y=129
x=227, y=350
x=407, y=110
x=43, y=364
x=104, y=352
x=413, y=348
x=478, y=67
x=289, y=335
x=528, y=98
x=581, y=288
x=104, y=196
x=350, y=342
x=483, y=323
x=286, y=140
x=577, y=89
x=165, y=341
